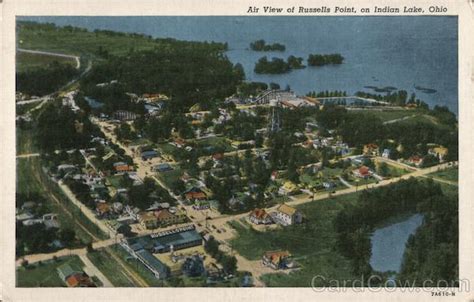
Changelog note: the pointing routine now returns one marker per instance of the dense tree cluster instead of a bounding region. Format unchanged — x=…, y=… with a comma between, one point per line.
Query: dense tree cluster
x=355, y=223
x=60, y=128
x=432, y=253
x=229, y=263
x=359, y=129
x=189, y=72
x=278, y=65
x=45, y=80
x=261, y=45
x=320, y=60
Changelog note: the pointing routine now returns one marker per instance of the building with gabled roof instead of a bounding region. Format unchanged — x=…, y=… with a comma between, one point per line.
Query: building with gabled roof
x=276, y=259
x=287, y=215
x=260, y=216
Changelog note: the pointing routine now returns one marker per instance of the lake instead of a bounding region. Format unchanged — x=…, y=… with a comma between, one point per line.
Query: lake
x=402, y=52
x=388, y=244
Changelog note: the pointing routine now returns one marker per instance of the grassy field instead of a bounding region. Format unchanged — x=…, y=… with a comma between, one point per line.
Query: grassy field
x=110, y=269
x=385, y=115
x=169, y=177
x=27, y=61
x=81, y=42
x=45, y=274
x=311, y=244
x=451, y=174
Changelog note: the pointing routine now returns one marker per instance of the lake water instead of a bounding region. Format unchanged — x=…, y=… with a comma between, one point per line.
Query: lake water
x=388, y=244
x=402, y=52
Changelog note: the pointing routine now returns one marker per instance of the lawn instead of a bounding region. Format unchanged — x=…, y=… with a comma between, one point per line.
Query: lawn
x=215, y=142
x=311, y=244
x=110, y=269
x=451, y=174
x=115, y=180
x=27, y=61
x=385, y=115
x=44, y=274
x=170, y=177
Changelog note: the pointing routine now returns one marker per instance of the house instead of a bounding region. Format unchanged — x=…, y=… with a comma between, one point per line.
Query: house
x=64, y=271
x=236, y=201
x=122, y=167
x=329, y=184
x=362, y=172
x=164, y=167
x=201, y=205
x=440, y=152
x=51, y=221
x=260, y=216
x=415, y=160
x=386, y=153
x=80, y=279
x=371, y=149
x=102, y=209
x=217, y=157
x=277, y=259
x=165, y=217
x=180, y=143
x=123, y=115
x=288, y=188
x=148, y=220
x=195, y=194
x=287, y=215
x=274, y=175
x=149, y=154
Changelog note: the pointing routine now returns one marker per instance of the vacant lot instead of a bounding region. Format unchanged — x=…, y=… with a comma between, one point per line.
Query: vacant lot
x=45, y=274
x=311, y=244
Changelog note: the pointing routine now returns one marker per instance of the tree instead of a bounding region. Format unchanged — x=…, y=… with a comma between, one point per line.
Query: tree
x=229, y=264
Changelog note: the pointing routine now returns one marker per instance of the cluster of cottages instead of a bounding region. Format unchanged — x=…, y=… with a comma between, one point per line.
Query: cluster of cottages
x=416, y=160
x=283, y=215
x=26, y=216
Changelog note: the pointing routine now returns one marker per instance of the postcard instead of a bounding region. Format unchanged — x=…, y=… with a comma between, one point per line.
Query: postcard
x=277, y=150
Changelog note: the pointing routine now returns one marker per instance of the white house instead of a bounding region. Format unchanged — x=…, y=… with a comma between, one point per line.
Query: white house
x=287, y=215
